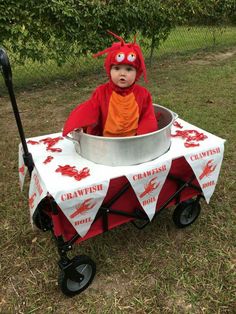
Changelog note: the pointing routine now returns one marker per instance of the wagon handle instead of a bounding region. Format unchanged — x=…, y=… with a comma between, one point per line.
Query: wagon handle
x=5, y=68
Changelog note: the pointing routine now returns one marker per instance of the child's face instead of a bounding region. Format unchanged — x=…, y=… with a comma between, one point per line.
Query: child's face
x=123, y=75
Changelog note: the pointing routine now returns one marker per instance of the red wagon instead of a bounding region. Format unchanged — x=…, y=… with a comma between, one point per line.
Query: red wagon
x=76, y=199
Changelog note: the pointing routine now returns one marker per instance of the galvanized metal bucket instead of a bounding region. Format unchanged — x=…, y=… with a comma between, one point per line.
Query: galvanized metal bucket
x=126, y=151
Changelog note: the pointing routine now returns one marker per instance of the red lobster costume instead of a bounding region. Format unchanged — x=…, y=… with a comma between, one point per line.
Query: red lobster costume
x=114, y=111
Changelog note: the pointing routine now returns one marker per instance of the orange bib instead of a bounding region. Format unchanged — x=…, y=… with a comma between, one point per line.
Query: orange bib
x=123, y=115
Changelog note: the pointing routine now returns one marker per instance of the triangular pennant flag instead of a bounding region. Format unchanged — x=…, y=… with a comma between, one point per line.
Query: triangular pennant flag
x=81, y=208
x=22, y=169
x=147, y=184
x=37, y=191
x=206, y=166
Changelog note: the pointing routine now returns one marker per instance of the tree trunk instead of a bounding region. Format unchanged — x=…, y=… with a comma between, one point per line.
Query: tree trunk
x=152, y=48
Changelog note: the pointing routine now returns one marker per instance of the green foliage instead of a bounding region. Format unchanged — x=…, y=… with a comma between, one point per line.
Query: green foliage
x=57, y=29
x=155, y=19
x=209, y=13
x=212, y=13
x=49, y=29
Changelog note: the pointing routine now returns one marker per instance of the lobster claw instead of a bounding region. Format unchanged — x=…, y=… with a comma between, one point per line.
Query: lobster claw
x=153, y=183
x=87, y=204
x=210, y=165
x=83, y=208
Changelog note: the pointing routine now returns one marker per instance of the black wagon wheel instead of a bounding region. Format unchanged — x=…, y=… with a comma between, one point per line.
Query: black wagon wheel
x=42, y=221
x=186, y=213
x=83, y=266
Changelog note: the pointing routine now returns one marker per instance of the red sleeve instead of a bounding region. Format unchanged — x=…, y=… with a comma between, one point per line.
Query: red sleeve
x=147, y=119
x=84, y=115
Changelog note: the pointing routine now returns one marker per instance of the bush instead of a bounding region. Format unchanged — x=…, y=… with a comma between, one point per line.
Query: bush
x=57, y=29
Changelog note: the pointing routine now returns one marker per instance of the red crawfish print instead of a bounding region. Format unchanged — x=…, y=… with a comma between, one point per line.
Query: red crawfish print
x=150, y=187
x=48, y=159
x=50, y=142
x=83, y=208
x=177, y=125
x=31, y=200
x=207, y=169
x=71, y=171
x=191, y=144
x=191, y=137
x=22, y=169
x=32, y=142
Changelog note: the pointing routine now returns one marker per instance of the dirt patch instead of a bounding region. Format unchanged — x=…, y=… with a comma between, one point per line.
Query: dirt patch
x=214, y=57
x=119, y=283
x=110, y=285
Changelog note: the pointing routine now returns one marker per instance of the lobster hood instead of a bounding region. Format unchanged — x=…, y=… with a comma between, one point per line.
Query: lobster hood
x=124, y=53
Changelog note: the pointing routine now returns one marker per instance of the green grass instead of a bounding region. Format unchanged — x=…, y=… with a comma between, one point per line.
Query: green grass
x=160, y=269
x=183, y=39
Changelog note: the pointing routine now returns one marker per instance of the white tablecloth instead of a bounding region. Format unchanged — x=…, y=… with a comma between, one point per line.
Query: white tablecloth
x=80, y=200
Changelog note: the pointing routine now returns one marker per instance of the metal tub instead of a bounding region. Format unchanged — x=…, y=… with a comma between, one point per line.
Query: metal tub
x=126, y=151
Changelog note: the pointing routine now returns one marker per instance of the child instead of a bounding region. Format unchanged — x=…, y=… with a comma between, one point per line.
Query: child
x=119, y=107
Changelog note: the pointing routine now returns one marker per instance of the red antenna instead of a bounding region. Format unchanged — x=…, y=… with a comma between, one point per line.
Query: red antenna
x=117, y=37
